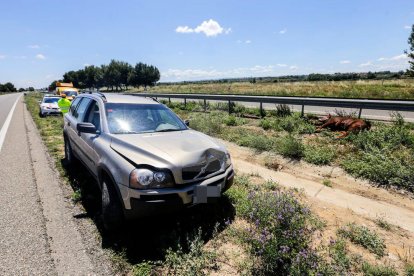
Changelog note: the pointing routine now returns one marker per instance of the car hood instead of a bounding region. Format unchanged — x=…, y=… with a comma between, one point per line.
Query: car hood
x=171, y=150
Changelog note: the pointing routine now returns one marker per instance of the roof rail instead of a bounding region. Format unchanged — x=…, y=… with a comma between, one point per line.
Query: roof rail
x=102, y=95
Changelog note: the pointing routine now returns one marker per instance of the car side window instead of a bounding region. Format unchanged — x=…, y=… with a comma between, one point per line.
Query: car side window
x=93, y=115
x=81, y=109
x=73, y=105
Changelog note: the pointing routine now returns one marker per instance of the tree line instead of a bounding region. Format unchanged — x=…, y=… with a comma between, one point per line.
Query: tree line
x=116, y=76
x=7, y=87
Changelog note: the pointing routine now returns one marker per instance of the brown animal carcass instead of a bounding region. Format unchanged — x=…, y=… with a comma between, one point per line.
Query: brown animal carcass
x=345, y=124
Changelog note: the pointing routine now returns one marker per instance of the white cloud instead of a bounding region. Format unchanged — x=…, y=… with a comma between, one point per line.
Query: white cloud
x=40, y=56
x=281, y=65
x=394, y=58
x=209, y=28
x=2, y=56
x=184, y=29
x=283, y=31
x=407, y=27
x=369, y=63
x=34, y=46
x=293, y=67
x=248, y=41
x=345, y=62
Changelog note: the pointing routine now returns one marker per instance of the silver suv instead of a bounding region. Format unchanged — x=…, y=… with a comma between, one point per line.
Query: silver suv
x=144, y=157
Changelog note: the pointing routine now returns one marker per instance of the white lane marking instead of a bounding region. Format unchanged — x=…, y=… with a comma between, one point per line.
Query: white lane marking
x=6, y=124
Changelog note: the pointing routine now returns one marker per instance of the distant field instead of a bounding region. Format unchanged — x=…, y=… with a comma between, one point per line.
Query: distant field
x=374, y=89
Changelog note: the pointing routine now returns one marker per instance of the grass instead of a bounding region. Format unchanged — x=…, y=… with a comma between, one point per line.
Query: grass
x=381, y=222
x=378, y=270
x=327, y=183
x=378, y=89
x=361, y=235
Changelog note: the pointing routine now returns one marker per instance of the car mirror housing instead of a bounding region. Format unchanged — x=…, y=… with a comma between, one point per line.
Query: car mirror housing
x=187, y=122
x=86, y=128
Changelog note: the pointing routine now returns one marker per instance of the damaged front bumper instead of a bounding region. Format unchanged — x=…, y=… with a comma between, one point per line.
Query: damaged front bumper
x=142, y=203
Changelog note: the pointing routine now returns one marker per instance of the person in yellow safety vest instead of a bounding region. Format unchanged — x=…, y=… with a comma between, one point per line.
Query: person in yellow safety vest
x=64, y=104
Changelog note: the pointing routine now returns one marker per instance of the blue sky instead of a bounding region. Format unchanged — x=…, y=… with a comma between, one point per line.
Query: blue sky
x=188, y=40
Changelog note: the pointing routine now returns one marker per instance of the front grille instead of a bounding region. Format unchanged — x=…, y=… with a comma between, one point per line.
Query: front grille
x=195, y=172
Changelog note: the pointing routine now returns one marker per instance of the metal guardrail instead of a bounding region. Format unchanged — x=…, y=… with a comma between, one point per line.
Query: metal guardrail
x=389, y=105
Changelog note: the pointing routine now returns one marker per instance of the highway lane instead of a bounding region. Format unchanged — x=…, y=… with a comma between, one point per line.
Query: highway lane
x=382, y=115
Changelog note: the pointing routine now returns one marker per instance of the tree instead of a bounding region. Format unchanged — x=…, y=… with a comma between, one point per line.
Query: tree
x=410, y=53
x=9, y=87
x=31, y=89
x=21, y=89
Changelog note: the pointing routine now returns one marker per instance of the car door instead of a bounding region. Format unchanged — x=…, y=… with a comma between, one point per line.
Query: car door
x=70, y=121
x=74, y=119
x=87, y=143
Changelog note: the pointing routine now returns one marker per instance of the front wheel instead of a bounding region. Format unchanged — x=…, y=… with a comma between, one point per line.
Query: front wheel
x=41, y=115
x=69, y=157
x=112, y=214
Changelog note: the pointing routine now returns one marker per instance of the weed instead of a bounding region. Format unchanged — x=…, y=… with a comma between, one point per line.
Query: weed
x=77, y=196
x=143, y=269
x=195, y=262
x=327, y=183
x=381, y=222
x=283, y=110
x=363, y=236
x=409, y=270
x=338, y=253
x=378, y=270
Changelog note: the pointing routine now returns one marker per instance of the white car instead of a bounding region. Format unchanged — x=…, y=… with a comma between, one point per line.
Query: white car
x=49, y=106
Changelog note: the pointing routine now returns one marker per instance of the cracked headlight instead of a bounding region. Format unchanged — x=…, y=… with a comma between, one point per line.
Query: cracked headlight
x=146, y=179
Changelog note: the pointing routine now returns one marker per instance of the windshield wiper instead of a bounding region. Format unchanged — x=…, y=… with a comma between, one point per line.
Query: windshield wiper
x=168, y=129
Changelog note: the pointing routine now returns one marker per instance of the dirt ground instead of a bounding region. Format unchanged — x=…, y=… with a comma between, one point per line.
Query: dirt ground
x=348, y=200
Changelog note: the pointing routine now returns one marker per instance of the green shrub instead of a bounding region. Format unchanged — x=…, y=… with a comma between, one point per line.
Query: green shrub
x=258, y=142
x=319, y=154
x=384, y=168
x=361, y=235
x=232, y=120
x=210, y=124
x=266, y=124
x=378, y=270
x=143, y=269
x=289, y=146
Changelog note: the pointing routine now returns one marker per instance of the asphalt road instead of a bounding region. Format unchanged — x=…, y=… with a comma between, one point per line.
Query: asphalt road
x=38, y=232
x=382, y=115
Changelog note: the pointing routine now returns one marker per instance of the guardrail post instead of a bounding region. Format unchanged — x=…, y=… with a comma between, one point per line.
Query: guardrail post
x=302, y=113
x=185, y=102
x=229, y=107
x=169, y=100
x=360, y=112
x=205, y=105
x=261, y=110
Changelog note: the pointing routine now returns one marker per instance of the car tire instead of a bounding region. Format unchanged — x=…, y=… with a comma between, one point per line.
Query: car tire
x=41, y=115
x=112, y=215
x=69, y=157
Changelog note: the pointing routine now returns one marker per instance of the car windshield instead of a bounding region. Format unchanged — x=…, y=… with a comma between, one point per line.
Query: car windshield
x=51, y=100
x=70, y=93
x=141, y=118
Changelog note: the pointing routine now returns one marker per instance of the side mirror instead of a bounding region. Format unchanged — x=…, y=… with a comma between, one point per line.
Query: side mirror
x=86, y=128
x=39, y=101
x=187, y=122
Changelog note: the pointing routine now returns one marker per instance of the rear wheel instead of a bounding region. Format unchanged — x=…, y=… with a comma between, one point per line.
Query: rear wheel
x=112, y=214
x=41, y=115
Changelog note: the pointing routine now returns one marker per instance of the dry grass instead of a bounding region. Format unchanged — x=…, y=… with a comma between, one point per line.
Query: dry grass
x=387, y=89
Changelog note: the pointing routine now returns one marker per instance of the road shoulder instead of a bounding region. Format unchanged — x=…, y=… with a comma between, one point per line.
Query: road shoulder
x=71, y=255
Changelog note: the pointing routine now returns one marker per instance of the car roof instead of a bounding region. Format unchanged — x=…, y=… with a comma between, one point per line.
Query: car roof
x=51, y=96
x=122, y=98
